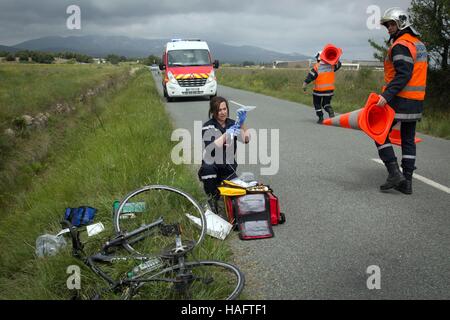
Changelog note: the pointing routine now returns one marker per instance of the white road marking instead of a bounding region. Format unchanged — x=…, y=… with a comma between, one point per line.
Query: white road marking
x=424, y=180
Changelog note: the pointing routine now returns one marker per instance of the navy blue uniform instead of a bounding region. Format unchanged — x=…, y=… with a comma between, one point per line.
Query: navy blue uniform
x=214, y=168
x=407, y=111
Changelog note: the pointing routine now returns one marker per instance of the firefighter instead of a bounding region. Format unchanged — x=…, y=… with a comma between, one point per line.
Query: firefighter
x=405, y=75
x=323, y=75
x=219, y=135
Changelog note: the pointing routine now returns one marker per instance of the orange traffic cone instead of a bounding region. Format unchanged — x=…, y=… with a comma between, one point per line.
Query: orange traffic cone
x=396, y=137
x=374, y=121
x=331, y=54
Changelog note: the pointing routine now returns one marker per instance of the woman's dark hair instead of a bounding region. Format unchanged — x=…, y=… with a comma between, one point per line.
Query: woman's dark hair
x=214, y=105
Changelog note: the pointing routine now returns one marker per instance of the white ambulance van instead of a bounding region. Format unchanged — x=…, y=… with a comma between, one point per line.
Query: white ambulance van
x=188, y=69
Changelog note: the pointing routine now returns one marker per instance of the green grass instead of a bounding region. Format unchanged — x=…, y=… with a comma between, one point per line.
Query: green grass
x=352, y=90
x=33, y=88
x=103, y=157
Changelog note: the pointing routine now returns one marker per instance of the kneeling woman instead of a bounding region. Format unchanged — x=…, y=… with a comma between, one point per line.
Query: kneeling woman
x=220, y=135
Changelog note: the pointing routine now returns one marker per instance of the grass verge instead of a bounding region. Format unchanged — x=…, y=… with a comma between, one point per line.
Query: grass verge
x=103, y=157
x=62, y=92
x=352, y=90
x=32, y=88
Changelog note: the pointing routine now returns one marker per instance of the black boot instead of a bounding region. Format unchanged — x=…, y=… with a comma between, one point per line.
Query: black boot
x=212, y=202
x=405, y=186
x=330, y=111
x=395, y=176
x=320, y=120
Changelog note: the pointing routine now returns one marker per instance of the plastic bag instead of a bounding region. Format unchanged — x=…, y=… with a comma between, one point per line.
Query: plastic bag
x=247, y=177
x=49, y=245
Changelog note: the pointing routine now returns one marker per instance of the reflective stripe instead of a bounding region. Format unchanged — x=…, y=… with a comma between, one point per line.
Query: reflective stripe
x=323, y=94
x=408, y=116
x=408, y=157
x=412, y=88
x=422, y=57
x=208, y=127
x=422, y=54
x=211, y=176
x=312, y=73
x=325, y=68
x=402, y=57
x=335, y=121
x=324, y=85
x=353, y=119
x=384, y=146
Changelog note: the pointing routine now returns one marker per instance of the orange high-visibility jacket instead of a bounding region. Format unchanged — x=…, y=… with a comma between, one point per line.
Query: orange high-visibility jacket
x=325, y=77
x=415, y=88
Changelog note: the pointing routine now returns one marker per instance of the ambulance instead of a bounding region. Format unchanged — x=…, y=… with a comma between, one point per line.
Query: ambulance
x=188, y=69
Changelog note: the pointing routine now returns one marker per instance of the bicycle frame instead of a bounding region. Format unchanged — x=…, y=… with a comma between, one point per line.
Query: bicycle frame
x=104, y=256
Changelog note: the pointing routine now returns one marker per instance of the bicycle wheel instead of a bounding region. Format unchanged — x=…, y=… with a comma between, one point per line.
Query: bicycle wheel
x=166, y=205
x=199, y=280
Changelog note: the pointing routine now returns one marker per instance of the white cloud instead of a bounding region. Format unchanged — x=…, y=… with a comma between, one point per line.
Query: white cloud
x=281, y=25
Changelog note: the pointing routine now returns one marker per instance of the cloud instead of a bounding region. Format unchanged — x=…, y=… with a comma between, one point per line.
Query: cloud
x=281, y=25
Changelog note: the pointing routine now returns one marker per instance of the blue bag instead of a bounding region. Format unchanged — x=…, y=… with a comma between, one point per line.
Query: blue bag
x=80, y=216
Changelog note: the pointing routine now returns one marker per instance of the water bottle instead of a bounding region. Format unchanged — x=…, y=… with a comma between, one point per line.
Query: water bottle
x=49, y=245
x=145, y=267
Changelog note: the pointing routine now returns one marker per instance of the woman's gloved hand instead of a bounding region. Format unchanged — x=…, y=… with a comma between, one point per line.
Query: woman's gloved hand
x=233, y=131
x=241, y=116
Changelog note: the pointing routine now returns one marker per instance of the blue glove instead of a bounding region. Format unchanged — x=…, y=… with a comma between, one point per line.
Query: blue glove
x=241, y=116
x=233, y=131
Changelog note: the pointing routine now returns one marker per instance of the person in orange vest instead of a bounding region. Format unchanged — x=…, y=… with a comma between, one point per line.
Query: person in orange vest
x=323, y=75
x=405, y=76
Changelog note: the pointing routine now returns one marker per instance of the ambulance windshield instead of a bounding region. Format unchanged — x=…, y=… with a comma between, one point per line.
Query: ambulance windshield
x=189, y=57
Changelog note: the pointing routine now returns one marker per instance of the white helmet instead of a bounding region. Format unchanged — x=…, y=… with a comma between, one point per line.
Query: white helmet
x=400, y=17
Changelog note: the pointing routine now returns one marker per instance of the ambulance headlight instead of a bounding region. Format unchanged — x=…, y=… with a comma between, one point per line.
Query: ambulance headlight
x=212, y=77
x=171, y=77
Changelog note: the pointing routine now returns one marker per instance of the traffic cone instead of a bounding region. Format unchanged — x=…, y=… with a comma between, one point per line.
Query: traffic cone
x=331, y=54
x=396, y=137
x=374, y=121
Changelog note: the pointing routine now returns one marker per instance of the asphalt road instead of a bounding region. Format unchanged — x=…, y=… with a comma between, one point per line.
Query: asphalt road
x=338, y=223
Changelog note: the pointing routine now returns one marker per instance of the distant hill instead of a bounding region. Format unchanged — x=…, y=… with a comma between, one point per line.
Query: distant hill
x=100, y=46
x=8, y=49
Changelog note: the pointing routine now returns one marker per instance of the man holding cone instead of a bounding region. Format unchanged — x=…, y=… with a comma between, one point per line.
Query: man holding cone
x=323, y=75
x=405, y=73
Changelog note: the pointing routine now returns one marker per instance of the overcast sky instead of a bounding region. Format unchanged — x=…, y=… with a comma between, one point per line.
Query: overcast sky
x=281, y=25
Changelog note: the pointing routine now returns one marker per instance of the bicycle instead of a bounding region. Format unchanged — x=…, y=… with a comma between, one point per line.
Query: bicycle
x=166, y=273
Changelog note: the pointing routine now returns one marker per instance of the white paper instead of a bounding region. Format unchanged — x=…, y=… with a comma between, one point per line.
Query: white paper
x=216, y=226
x=94, y=229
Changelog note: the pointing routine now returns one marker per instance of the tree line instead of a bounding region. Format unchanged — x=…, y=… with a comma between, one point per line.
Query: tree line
x=49, y=57
x=45, y=57
x=431, y=18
